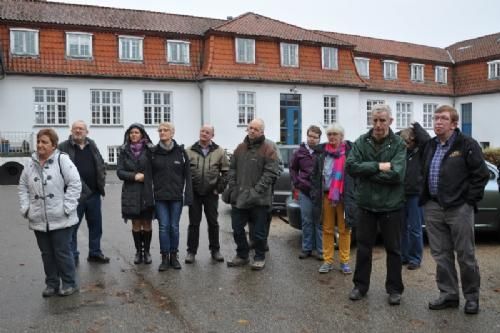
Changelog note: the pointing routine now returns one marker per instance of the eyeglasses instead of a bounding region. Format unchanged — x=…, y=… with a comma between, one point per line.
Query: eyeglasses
x=313, y=137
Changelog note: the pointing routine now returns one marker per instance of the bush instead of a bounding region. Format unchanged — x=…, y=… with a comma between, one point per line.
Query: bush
x=492, y=155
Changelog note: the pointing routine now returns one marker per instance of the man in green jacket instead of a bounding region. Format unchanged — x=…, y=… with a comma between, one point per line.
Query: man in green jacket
x=378, y=163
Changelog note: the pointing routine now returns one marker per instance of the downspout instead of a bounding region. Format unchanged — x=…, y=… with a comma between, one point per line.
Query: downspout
x=2, y=68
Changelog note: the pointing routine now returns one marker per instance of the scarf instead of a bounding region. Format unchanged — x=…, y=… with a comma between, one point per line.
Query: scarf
x=137, y=148
x=337, y=174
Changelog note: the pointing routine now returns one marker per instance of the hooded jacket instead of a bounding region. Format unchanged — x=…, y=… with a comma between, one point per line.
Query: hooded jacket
x=301, y=168
x=136, y=196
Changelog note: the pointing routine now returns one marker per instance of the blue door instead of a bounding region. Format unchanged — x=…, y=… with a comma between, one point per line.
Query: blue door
x=290, y=119
x=467, y=119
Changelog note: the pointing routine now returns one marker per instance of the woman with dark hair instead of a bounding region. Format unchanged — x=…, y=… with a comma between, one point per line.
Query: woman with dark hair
x=134, y=168
x=49, y=189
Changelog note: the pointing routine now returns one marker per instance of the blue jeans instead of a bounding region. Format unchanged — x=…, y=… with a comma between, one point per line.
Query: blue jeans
x=58, y=262
x=411, y=232
x=312, y=234
x=168, y=213
x=257, y=216
x=91, y=208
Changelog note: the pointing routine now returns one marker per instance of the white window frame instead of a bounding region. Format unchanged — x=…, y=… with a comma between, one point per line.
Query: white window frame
x=428, y=115
x=441, y=71
x=102, y=110
x=24, y=51
x=389, y=73
x=358, y=61
x=81, y=38
x=157, y=108
x=330, y=110
x=129, y=40
x=246, y=109
x=247, y=48
x=370, y=103
x=417, y=72
x=329, y=58
x=404, y=114
x=494, y=70
x=51, y=106
x=286, y=57
x=113, y=152
x=174, y=57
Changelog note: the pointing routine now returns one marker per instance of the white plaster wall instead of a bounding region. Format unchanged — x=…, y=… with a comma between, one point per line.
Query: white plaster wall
x=17, y=96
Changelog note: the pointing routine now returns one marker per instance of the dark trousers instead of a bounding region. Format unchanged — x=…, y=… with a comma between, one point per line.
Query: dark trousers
x=258, y=216
x=208, y=203
x=366, y=235
x=91, y=208
x=57, y=257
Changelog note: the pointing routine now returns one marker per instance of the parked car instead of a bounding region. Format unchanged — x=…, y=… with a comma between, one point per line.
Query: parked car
x=487, y=218
x=283, y=186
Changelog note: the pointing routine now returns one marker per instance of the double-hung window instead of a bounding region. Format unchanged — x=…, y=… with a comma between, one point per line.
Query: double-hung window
x=369, y=105
x=363, y=66
x=390, y=69
x=441, y=74
x=404, y=114
x=51, y=106
x=246, y=107
x=178, y=52
x=329, y=110
x=106, y=107
x=78, y=45
x=113, y=152
x=24, y=42
x=428, y=115
x=245, y=50
x=157, y=107
x=289, y=55
x=494, y=69
x=329, y=58
x=130, y=48
x=417, y=72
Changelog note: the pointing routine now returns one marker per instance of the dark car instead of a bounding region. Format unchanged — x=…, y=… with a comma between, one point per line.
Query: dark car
x=487, y=218
x=283, y=186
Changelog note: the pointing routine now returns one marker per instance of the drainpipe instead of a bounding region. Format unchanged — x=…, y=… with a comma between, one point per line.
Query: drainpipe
x=202, y=115
x=2, y=68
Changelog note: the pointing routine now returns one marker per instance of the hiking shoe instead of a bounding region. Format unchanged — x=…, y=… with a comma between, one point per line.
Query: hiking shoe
x=237, y=261
x=174, y=261
x=325, y=268
x=68, y=291
x=216, y=256
x=164, y=263
x=49, y=292
x=345, y=268
x=304, y=254
x=258, y=265
x=189, y=258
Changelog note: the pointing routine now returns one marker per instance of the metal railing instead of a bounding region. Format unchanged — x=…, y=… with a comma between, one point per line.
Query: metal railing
x=16, y=143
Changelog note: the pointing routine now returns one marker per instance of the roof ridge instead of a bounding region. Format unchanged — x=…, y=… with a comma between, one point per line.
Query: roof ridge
x=231, y=20
x=472, y=39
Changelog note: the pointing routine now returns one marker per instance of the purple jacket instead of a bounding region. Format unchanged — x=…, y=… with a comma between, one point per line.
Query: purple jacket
x=301, y=168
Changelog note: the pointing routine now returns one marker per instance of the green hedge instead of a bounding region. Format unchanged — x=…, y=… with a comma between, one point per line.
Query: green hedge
x=492, y=155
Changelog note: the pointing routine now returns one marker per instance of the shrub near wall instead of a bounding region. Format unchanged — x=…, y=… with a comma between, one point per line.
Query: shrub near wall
x=492, y=155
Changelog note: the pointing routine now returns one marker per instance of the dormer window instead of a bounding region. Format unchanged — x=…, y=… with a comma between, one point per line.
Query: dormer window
x=245, y=50
x=78, y=45
x=417, y=72
x=363, y=66
x=329, y=58
x=130, y=48
x=494, y=70
x=178, y=52
x=24, y=42
x=441, y=74
x=289, y=55
x=390, y=69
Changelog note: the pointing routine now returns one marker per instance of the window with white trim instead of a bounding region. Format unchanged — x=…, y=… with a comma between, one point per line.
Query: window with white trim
x=245, y=50
x=329, y=109
x=428, y=115
x=289, y=55
x=130, y=48
x=441, y=74
x=363, y=67
x=113, y=152
x=369, y=105
x=246, y=107
x=157, y=107
x=50, y=106
x=78, y=45
x=390, y=69
x=404, y=114
x=329, y=57
x=494, y=69
x=178, y=52
x=24, y=42
x=106, y=107
x=417, y=72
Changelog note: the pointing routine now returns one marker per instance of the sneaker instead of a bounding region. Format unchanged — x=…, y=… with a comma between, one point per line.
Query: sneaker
x=49, y=292
x=394, y=299
x=189, y=258
x=237, y=261
x=216, y=256
x=412, y=266
x=325, y=268
x=68, y=291
x=345, y=268
x=304, y=254
x=258, y=265
x=101, y=259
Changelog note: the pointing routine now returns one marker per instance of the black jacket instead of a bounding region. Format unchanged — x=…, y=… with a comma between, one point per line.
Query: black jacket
x=463, y=174
x=136, y=196
x=172, y=174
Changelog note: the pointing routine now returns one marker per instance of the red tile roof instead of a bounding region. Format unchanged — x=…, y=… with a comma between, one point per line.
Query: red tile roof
x=474, y=49
x=384, y=48
x=103, y=17
x=251, y=24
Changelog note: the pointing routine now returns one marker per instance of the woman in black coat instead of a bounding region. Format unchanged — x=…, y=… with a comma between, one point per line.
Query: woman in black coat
x=134, y=168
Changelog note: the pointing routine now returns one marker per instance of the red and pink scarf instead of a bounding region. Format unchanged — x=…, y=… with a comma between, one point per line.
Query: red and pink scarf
x=337, y=174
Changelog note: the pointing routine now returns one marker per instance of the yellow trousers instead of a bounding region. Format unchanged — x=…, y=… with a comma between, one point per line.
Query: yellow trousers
x=334, y=215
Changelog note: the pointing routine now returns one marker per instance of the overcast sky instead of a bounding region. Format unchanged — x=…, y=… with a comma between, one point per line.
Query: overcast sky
x=430, y=22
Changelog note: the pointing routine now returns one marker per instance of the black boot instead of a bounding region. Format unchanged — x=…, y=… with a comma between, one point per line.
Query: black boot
x=138, y=246
x=164, y=262
x=146, y=237
x=174, y=261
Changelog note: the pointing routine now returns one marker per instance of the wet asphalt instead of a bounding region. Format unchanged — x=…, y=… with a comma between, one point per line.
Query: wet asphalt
x=289, y=295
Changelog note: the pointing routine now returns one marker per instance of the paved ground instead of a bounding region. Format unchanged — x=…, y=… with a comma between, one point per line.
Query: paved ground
x=288, y=296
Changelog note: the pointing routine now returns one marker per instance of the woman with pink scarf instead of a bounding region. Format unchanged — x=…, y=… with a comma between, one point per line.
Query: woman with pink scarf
x=332, y=194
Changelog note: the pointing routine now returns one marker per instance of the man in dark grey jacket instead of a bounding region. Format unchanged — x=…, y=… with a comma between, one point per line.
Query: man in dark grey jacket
x=253, y=170
x=90, y=164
